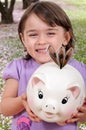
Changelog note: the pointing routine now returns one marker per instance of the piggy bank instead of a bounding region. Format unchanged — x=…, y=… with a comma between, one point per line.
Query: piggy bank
x=53, y=94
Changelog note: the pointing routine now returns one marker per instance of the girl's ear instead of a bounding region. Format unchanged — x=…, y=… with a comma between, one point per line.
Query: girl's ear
x=21, y=37
x=67, y=38
x=23, y=40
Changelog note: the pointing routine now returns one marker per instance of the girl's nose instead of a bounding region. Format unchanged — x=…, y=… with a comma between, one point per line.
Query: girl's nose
x=42, y=39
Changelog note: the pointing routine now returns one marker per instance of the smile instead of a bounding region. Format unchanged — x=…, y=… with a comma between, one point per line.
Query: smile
x=44, y=50
x=49, y=115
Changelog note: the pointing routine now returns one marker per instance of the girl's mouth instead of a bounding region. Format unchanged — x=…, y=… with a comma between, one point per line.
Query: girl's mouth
x=43, y=50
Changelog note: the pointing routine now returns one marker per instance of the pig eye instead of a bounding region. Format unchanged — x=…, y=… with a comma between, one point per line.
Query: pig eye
x=64, y=100
x=40, y=94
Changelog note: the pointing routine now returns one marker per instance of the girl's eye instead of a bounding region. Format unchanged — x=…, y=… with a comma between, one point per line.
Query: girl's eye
x=51, y=33
x=33, y=35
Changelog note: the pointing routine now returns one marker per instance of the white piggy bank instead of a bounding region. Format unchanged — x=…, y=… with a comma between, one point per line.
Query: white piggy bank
x=53, y=94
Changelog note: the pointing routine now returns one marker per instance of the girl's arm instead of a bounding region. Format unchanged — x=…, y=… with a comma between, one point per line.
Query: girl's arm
x=11, y=104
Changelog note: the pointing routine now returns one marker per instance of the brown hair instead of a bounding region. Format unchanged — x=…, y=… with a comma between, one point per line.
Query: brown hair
x=51, y=14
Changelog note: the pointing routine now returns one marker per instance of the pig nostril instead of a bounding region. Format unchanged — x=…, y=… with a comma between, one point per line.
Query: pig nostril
x=46, y=105
x=54, y=108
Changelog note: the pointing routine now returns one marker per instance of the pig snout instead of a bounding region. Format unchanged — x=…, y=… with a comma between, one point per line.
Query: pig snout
x=50, y=108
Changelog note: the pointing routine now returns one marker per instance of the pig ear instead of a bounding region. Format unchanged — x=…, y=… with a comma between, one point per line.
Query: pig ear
x=75, y=91
x=36, y=80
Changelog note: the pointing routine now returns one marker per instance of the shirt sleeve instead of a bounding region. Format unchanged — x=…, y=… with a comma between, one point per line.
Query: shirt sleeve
x=83, y=71
x=81, y=67
x=11, y=70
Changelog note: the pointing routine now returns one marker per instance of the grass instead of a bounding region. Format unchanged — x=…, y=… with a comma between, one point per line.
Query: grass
x=78, y=19
x=77, y=15
x=77, y=3
x=14, y=47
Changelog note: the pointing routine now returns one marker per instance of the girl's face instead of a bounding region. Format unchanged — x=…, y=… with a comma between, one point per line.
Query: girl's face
x=37, y=37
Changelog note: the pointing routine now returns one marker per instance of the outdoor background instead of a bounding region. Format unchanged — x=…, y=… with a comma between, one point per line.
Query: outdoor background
x=11, y=47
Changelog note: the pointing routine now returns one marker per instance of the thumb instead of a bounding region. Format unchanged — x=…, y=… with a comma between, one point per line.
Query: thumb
x=24, y=100
x=24, y=96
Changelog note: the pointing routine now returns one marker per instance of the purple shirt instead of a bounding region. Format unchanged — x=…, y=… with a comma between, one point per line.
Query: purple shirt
x=22, y=70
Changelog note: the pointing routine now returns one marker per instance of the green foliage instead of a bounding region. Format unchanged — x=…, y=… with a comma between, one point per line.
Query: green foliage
x=78, y=18
x=76, y=2
x=14, y=48
x=4, y=123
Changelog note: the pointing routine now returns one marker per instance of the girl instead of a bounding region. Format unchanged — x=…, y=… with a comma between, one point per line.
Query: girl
x=43, y=24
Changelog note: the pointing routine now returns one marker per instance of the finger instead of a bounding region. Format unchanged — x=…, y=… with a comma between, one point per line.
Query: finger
x=72, y=120
x=32, y=116
x=61, y=123
x=85, y=99
x=78, y=115
x=26, y=106
x=81, y=109
x=23, y=97
x=35, y=119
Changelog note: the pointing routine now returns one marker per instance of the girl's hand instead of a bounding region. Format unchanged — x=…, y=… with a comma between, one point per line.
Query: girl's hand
x=32, y=116
x=61, y=123
x=80, y=116
x=76, y=117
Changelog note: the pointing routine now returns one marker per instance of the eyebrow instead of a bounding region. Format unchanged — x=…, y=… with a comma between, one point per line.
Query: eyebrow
x=30, y=31
x=53, y=29
x=49, y=29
